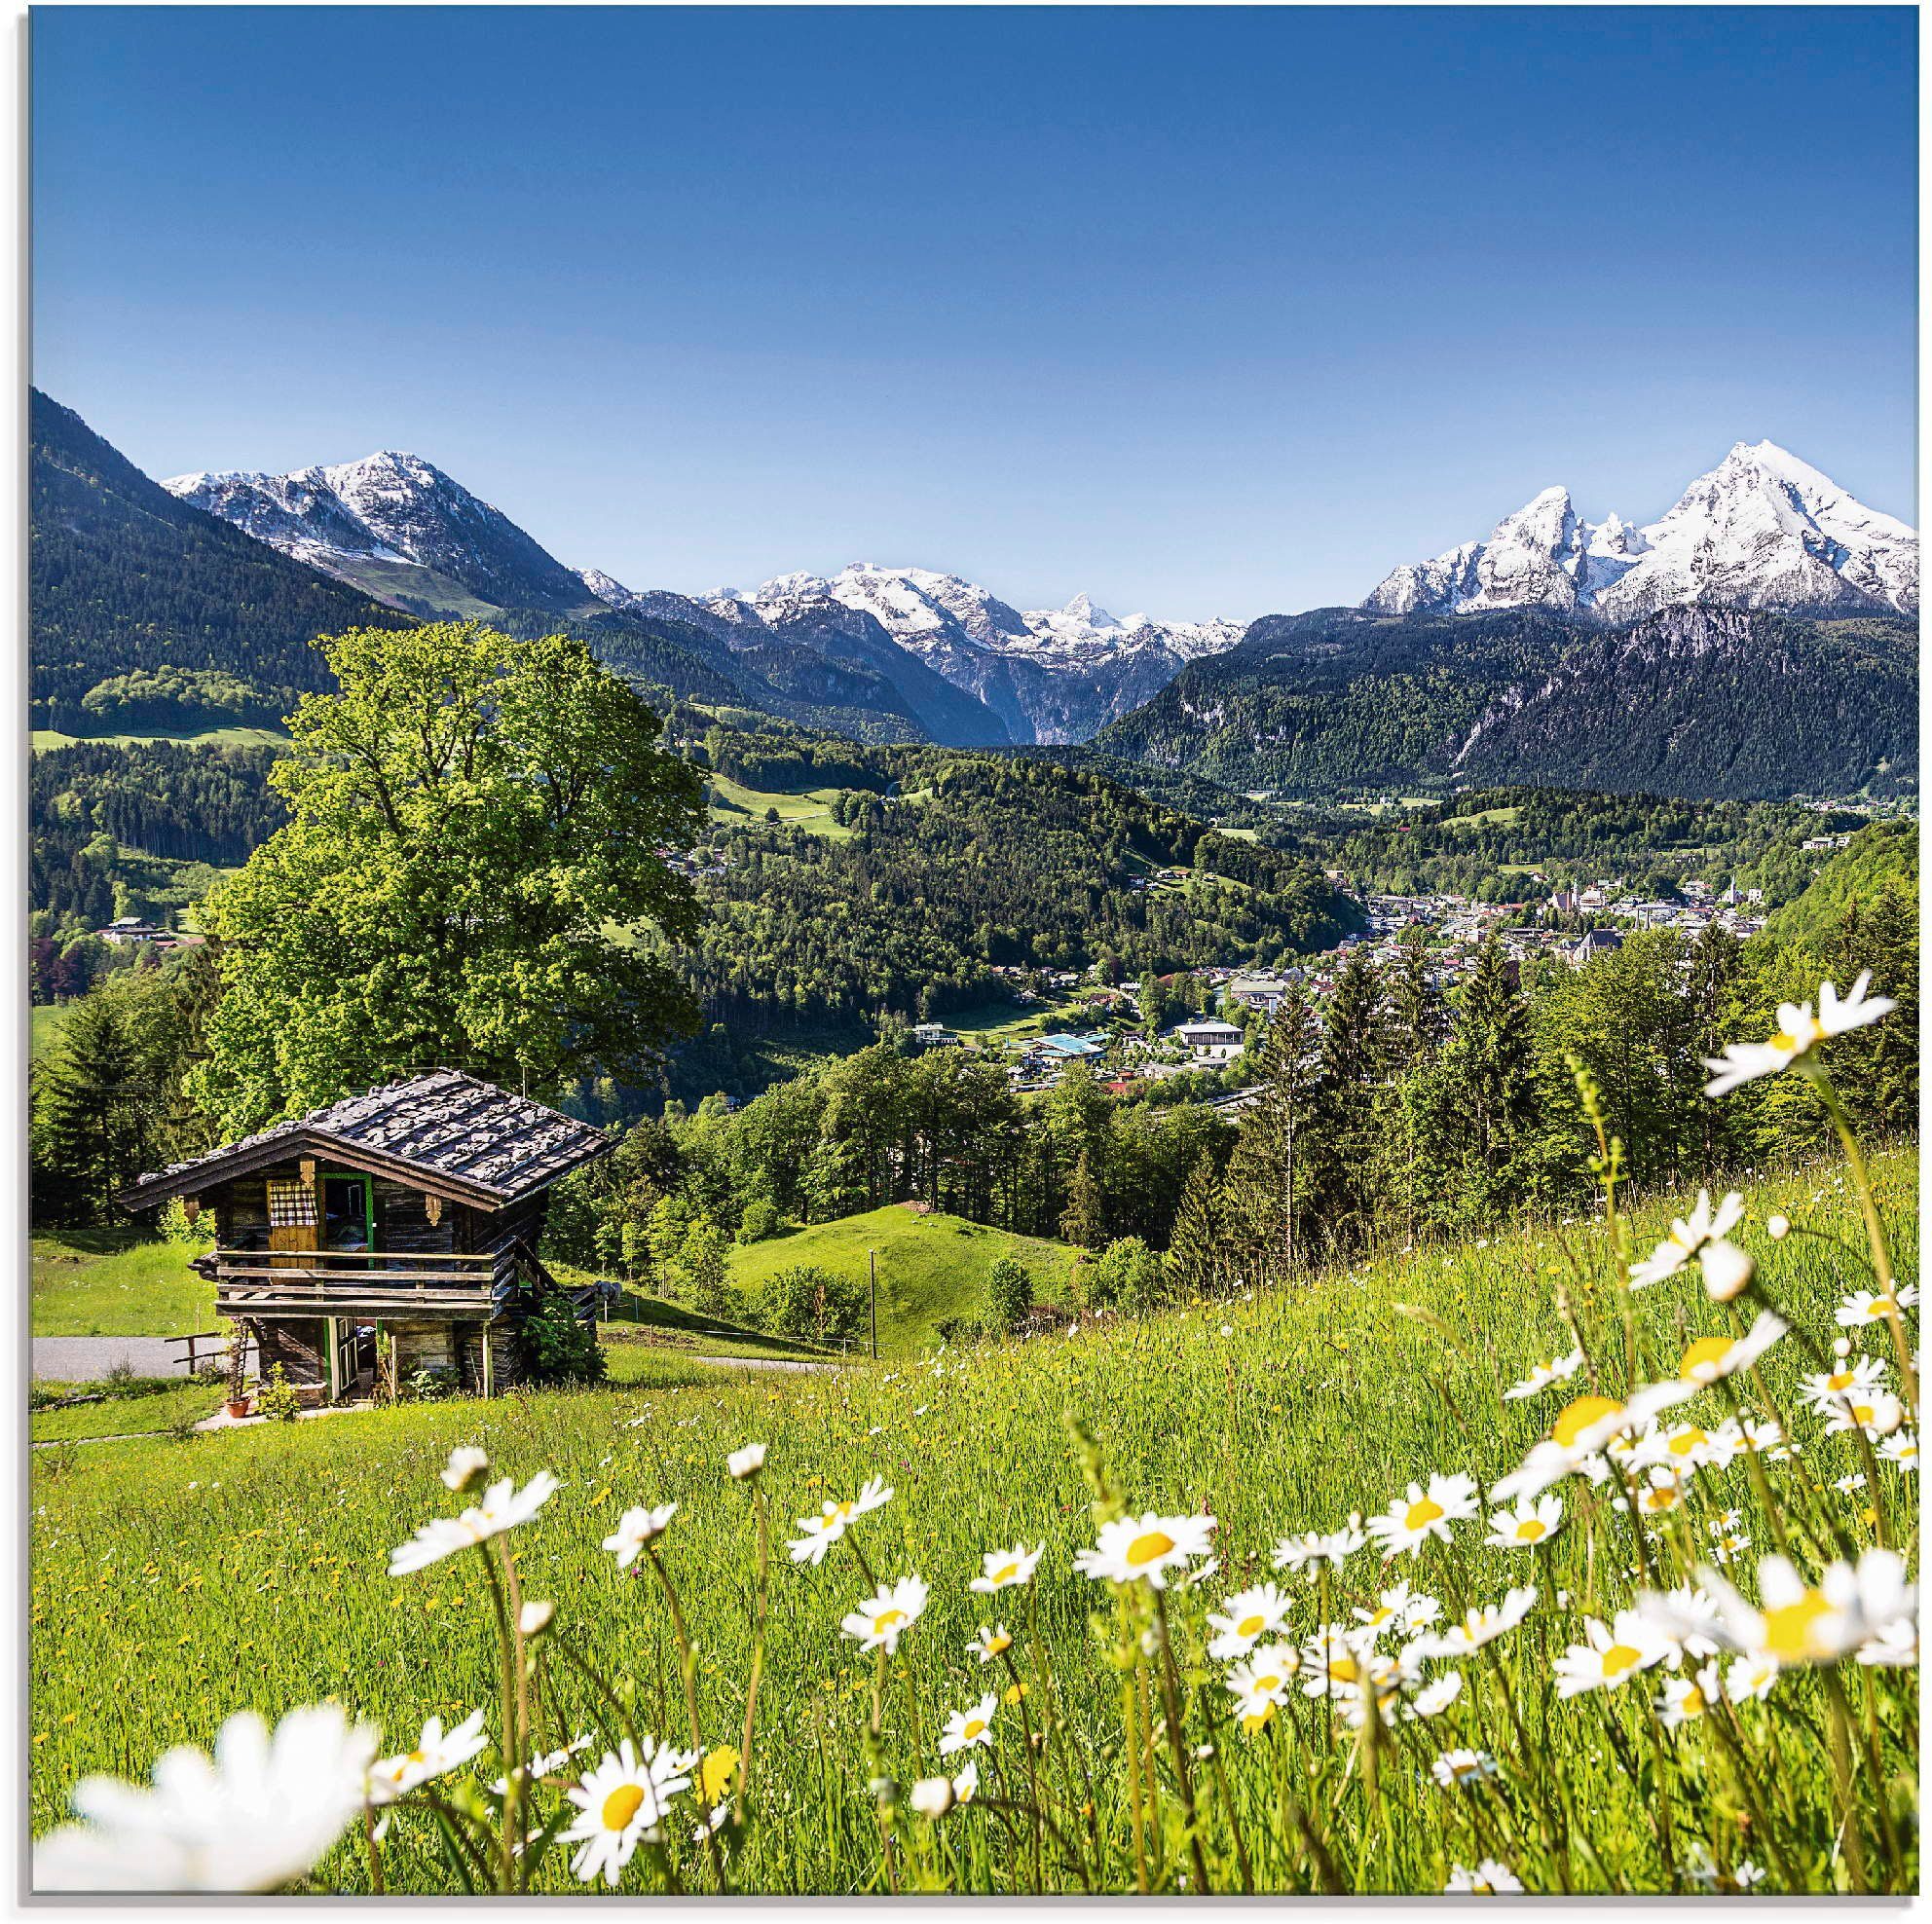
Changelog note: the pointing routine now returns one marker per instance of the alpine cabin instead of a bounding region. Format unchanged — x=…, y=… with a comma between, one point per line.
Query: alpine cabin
x=413, y=1209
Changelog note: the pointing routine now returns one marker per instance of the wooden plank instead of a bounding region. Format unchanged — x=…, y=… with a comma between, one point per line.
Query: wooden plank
x=385, y=1257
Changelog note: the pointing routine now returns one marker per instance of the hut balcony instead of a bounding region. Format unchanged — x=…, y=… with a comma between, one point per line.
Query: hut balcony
x=327, y=1283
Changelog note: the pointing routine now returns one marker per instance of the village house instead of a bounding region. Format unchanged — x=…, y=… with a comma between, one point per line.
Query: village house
x=1208, y=1041
x=412, y=1210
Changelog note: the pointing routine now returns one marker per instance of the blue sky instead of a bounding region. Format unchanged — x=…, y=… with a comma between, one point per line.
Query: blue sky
x=1201, y=311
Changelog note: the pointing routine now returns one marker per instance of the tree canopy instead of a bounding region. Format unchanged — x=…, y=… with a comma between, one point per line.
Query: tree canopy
x=468, y=877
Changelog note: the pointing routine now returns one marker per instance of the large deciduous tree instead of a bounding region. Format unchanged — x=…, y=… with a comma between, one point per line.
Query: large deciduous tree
x=468, y=878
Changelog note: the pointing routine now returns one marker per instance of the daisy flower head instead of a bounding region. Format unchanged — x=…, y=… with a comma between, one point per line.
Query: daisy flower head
x=1263, y=1682
x=744, y=1464
x=1399, y=1608
x=1902, y=1450
x=1687, y=1698
x=1145, y=1548
x=1855, y=1377
x=435, y=1754
x=1412, y=1519
x=622, y=1804
x=1660, y=1494
x=259, y=1814
x=1432, y=1699
x=1804, y=1623
x=1483, y=1624
x=1750, y=1677
x=1609, y=1655
x=1006, y=1569
x=1879, y=1414
x=1797, y=1033
x=1464, y=1769
x=1892, y=1644
x=1686, y=1619
x=1333, y=1662
x=988, y=1644
x=833, y=1521
x=465, y=1465
x=1558, y=1369
x=1727, y=1271
x=1534, y=1520
x=502, y=1507
x=1244, y=1618
x=1487, y=1880
x=967, y=1727
x=1581, y=1431
x=1713, y=1357
x=966, y=1785
x=881, y=1621
x=1865, y=1306
x=637, y=1528
x=933, y=1796
x=1688, y=1237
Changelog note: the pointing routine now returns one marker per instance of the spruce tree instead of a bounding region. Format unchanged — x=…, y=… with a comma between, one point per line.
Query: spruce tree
x=1197, y=1254
x=1268, y=1193
x=1084, y=1220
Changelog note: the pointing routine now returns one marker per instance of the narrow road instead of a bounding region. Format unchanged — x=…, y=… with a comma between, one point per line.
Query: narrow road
x=88, y=1358
x=765, y=1363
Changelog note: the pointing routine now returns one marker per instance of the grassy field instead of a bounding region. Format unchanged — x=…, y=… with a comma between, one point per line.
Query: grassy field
x=1000, y=1023
x=930, y=1265
x=173, y=1584
x=237, y=737
x=153, y=1406
x=43, y=1025
x=809, y=810
x=104, y=1283
x=649, y=1325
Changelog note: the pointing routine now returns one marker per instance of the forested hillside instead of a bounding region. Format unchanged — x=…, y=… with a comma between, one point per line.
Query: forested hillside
x=949, y=863
x=1481, y=843
x=1696, y=701
x=149, y=613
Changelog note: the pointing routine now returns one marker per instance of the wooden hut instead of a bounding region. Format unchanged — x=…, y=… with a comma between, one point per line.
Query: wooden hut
x=413, y=1209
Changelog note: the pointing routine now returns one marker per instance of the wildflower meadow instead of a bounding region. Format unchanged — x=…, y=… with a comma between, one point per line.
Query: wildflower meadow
x=1580, y=1559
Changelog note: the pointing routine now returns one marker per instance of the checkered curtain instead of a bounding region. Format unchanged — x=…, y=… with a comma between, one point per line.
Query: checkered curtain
x=291, y=1205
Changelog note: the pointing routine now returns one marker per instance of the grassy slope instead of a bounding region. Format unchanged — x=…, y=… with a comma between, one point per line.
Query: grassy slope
x=809, y=810
x=43, y=1025
x=124, y=1416
x=929, y=1266
x=251, y=1570
x=233, y=737
x=99, y=1283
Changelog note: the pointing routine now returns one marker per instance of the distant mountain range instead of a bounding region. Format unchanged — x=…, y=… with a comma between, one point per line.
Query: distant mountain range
x=1761, y=529
x=1671, y=655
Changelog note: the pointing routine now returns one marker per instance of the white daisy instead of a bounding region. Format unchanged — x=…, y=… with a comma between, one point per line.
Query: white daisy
x=1685, y=1698
x=1825, y=1390
x=1488, y=1879
x=882, y=1620
x=1483, y=1624
x=1864, y=1305
x=1463, y=1771
x=637, y=1528
x=621, y=1804
x=1004, y=1568
x=1712, y=1357
x=466, y=1464
x=1534, y=1521
x=1145, y=1548
x=967, y=1727
x=1688, y=1237
x=1799, y=1033
x=1264, y=1680
x=990, y=1643
x=1244, y=1618
x=436, y=1751
x=1800, y=1623
x=257, y=1816
x=1611, y=1654
x=745, y=1463
x=1411, y=1520
x=833, y=1521
x=1541, y=1375
x=501, y=1509
x=1580, y=1433
x=1902, y=1449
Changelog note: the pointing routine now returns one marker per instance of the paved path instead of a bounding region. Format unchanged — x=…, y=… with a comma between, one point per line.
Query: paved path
x=88, y=1358
x=761, y=1362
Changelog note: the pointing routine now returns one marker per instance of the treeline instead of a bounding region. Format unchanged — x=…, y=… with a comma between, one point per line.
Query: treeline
x=972, y=864
x=1387, y=1112
x=107, y=824
x=1479, y=843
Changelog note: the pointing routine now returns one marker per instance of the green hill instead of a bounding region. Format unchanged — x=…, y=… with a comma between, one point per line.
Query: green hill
x=930, y=1265
x=1878, y=860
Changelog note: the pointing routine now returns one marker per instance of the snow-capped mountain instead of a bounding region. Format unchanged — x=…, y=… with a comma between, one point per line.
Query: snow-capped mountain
x=395, y=526
x=1051, y=675
x=1762, y=529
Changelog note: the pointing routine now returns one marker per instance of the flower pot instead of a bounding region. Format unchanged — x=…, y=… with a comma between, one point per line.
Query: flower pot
x=238, y=1406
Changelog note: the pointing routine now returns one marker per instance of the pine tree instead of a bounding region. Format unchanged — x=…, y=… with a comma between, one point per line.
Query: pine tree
x=1354, y=1054
x=1197, y=1252
x=91, y=1115
x=1084, y=1220
x=1269, y=1196
x=1490, y=1064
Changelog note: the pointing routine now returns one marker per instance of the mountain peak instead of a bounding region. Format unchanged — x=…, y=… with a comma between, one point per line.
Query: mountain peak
x=1762, y=529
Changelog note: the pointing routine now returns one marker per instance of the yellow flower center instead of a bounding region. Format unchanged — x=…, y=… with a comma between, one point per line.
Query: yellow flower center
x=621, y=1805
x=1787, y=1629
x=1423, y=1514
x=1861, y=1414
x=1531, y=1530
x=1882, y=1306
x=995, y=1644
x=1619, y=1660
x=1272, y=1682
x=973, y=1727
x=1578, y=1415
x=1703, y=1356
x=1149, y=1546
x=1840, y=1379
x=1694, y=1702
x=887, y=1618
x=1004, y=1572
x=1344, y=1670
x=1251, y=1626
x=1686, y=1440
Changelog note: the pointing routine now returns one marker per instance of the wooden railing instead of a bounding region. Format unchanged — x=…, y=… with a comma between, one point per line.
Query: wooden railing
x=368, y=1282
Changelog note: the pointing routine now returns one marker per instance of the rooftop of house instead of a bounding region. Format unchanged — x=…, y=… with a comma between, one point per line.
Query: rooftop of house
x=445, y=1132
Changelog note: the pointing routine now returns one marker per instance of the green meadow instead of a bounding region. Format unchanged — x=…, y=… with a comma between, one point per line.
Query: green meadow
x=175, y=1582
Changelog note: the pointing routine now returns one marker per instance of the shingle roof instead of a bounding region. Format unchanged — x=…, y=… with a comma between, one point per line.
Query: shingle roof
x=447, y=1131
